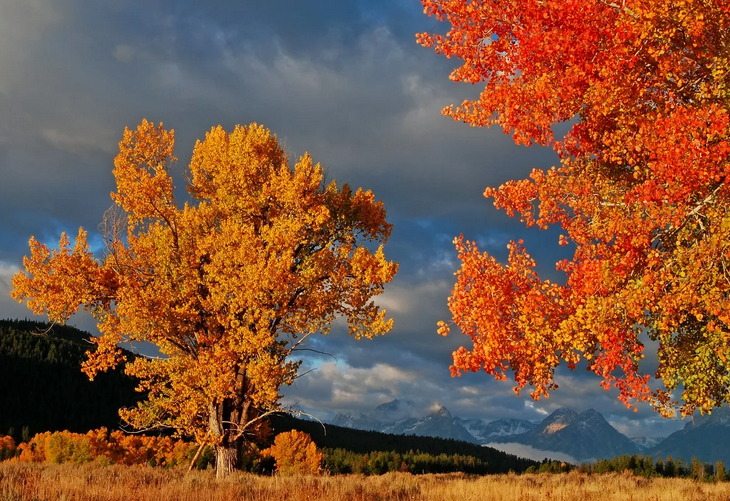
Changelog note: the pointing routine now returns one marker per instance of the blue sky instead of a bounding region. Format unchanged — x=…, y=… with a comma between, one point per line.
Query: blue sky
x=344, y=81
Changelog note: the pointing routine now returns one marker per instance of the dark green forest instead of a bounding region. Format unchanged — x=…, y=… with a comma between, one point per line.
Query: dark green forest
x=42, y=387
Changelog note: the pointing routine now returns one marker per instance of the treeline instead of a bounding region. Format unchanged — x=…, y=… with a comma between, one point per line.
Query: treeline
x=341, y=461
x=356, y=444
x=42, y=387
x=646, y=466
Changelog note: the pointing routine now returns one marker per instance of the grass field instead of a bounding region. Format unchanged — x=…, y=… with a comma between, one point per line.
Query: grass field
x=90, y=482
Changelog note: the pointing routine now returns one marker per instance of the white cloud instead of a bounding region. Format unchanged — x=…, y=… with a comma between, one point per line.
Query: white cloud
x=539, y=410
x=525, y=451
x=337, y=386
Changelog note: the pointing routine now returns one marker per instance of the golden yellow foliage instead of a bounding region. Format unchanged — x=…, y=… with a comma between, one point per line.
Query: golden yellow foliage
x=226, y=285
x=108, y=448
x=295, y=453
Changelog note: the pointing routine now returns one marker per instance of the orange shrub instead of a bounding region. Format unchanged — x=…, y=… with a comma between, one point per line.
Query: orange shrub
x=295, y=453
x=34, y=451
x=100, y=445
x=7, y=447
x=67, y=447
x=56, y=447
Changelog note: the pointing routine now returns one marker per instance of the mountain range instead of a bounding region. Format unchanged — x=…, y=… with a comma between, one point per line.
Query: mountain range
x=582, y=436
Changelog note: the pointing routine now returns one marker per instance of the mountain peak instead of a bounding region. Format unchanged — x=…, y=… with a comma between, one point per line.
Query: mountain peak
x=562, y=412
x=440, y=411
x=583, y=436
x=394, y=405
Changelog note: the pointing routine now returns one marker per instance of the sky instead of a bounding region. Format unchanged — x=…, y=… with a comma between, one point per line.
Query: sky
x=346, y=82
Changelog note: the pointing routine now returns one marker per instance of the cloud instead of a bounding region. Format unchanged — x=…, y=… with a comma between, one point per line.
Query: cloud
x=333, y=386
x=649, y=425
x=9, y=307
x=525, y=451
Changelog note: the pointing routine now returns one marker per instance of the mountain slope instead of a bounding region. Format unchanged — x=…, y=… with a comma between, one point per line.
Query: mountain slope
x=489, y=431
x=381, y=417
x=42, y=386
x=705, y=437
x=584, y=436
x=646, y=443
x=400, y=417
x=438, y=423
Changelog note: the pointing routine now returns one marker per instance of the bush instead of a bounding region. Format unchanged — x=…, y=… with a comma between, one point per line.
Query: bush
x=7, y=447
x=295, y=453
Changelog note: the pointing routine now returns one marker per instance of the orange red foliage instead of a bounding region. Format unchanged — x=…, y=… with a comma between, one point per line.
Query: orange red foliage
x=642, y=192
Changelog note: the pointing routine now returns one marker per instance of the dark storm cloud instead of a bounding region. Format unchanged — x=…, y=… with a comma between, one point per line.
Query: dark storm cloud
x=344, y=81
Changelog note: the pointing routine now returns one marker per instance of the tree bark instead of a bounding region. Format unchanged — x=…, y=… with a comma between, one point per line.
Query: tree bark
x=227, y=460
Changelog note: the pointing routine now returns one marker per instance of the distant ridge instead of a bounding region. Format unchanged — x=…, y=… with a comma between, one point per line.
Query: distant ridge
x=705, y=437
x=403, y=417
x=366, y=441
x=584, y=436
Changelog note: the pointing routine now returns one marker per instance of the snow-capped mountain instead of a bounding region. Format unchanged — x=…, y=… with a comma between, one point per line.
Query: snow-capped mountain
x=381, y=417
x=438, y=423
x=646, y=443
x=584, y=436
x=402, y=417
x=487, y=431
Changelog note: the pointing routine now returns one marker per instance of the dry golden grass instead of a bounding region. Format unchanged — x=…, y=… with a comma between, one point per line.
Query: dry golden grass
x=90, y=482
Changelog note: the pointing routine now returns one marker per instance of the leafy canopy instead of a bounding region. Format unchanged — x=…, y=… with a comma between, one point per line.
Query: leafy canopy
x=641, y=191
x=226, y=285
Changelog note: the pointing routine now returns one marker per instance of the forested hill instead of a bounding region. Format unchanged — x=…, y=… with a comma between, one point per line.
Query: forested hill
x=362, y=441
x=42, y=386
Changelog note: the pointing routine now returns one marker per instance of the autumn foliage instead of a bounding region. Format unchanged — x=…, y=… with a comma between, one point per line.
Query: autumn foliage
x=295, y=453
x=101, y=446
x=642, y=192
x=7, y=447
x=226, y=285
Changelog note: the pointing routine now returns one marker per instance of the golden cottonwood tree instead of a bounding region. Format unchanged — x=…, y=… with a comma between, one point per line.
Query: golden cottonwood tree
x=642, y=191
x=226, y=285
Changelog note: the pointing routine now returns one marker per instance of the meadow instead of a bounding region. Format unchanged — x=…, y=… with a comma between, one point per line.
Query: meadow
x=95, y=482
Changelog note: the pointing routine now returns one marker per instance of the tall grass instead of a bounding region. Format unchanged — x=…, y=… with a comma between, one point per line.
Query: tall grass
x=94, y=482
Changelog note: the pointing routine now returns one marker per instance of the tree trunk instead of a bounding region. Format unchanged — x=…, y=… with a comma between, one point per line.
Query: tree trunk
x=228, y=418
x=227, y=460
